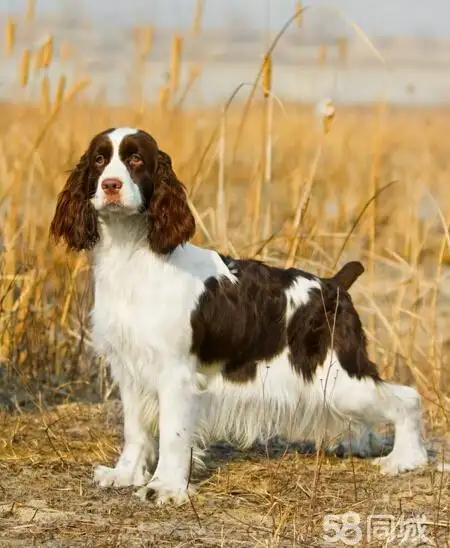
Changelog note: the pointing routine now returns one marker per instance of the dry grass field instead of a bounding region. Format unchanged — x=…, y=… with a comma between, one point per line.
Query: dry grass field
x=265, y=180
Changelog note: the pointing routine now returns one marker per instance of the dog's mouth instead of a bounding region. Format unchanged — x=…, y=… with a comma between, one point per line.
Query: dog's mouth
x=114, y=203
x=112, y=208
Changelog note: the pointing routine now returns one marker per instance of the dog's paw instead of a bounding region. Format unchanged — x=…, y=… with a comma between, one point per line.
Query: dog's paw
x=165, y=494
x=393, y=464
x=119, y=477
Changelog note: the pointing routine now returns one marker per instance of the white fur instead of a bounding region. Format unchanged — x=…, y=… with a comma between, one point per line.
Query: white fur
x=298, y=294
x=141, y=325
x=279, y=402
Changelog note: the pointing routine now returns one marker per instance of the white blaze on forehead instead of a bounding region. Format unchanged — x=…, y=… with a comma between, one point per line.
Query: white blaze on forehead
x=116, y=137
x=115, y=168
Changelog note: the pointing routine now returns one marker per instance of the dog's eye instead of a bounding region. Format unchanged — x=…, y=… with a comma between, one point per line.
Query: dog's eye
x=100, y=160
x=135, y=160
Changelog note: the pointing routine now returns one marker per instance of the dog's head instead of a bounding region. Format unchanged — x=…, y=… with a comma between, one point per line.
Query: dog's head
x=123, y=172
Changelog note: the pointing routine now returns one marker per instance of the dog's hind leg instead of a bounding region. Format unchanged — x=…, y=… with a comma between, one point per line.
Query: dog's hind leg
x=366, y=402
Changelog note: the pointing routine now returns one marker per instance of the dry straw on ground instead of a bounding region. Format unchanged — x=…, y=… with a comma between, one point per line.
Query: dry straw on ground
x=322, y=196
x=270, y=497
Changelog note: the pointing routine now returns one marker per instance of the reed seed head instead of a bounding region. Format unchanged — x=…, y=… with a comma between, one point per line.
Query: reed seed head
x=267, y=75
x=177, y=46
x=60, y=89
x=24, y=68
x=322, y=54
x=299, y=13
x=45, y=95
x=10, y=36
x=164, y=96
x=198, y=13
x=47, y=52
x=30, y=11
x=326, y=113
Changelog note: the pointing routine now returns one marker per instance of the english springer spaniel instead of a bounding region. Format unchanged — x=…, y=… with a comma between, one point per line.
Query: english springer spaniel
x=205, y=347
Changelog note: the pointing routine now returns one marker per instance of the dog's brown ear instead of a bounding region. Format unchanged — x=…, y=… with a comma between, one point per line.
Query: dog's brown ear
x=171, y=222
x=75, y=219
x=348, y=274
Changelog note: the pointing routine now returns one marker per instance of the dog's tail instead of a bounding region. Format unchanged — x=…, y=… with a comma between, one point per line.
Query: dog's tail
x=348, y=274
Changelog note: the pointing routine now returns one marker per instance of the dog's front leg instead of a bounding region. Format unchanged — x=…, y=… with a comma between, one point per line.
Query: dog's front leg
x=177, y=415
x=140, y=446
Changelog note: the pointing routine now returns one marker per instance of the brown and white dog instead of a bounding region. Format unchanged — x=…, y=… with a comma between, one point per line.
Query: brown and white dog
x=213, y=348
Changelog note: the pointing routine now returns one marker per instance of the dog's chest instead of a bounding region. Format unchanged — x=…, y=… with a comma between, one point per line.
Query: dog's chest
x=140, y=306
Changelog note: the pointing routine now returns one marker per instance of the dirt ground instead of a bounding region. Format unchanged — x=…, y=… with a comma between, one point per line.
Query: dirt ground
x=276, y=496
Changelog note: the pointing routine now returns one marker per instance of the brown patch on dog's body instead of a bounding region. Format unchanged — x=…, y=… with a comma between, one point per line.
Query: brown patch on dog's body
x=328, y=321
x=243, y=323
